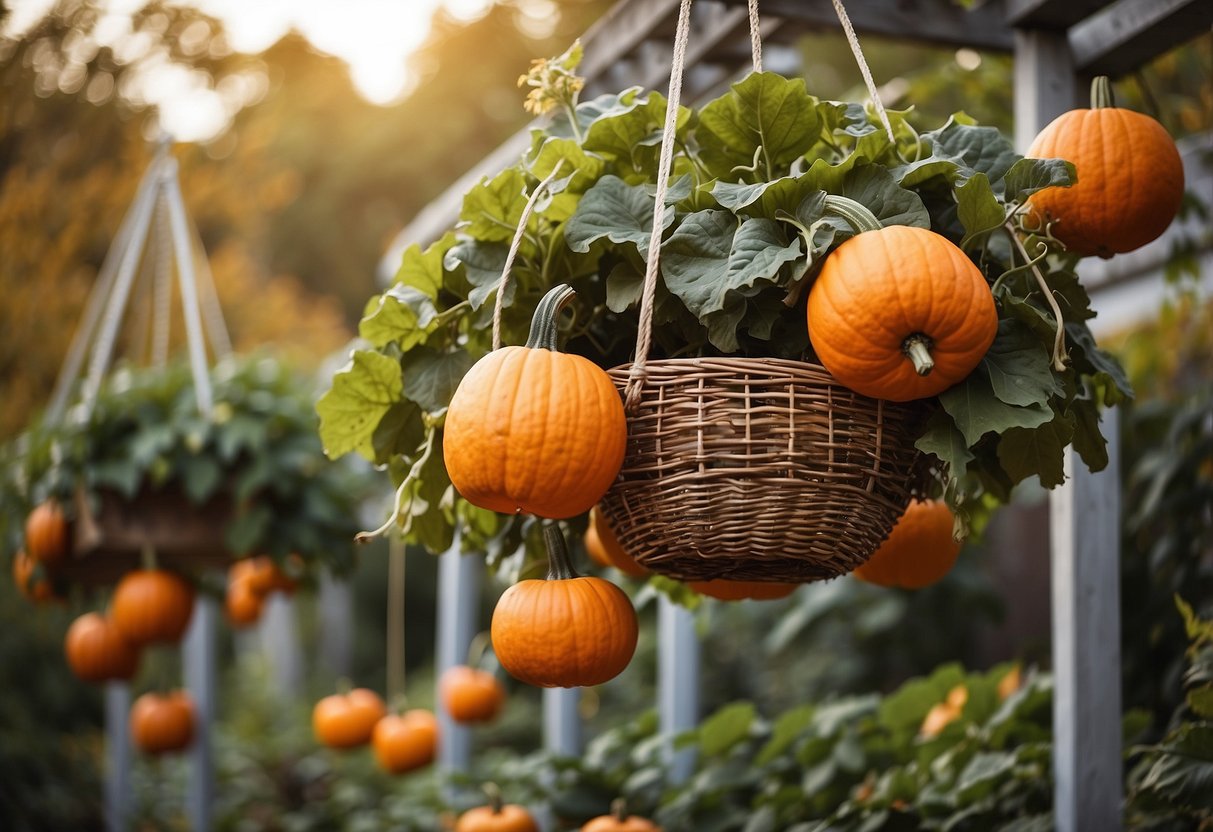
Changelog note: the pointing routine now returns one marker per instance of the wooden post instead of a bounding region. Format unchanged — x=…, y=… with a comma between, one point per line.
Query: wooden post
x=561, y=721
x=458, y=607
x=677, y=682
x=335, y=607
x=198, y=660
x=118, y=756
x=279, y=634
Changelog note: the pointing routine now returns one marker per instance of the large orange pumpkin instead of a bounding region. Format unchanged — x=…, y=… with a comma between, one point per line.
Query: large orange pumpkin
x=35, y=587
x=470, y=695
x=46, y=532
x=535, y=430
x=566, y=631
x=347, y=720
x=497, y=816
x=1130, y=177
x=918, y=552
x=899, y=313
x=620, y=821
x=151, y=605
x=96, y=651
x=605, y=549
x=743, y=590
x=162, y=723
x=404, y=742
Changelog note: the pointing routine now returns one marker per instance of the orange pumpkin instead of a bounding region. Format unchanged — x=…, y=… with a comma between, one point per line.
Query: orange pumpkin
x=620, y=821
x=263, y=575
x=151, y=605
x=242, y=603
x=46, y=532
x=470, y=695
x=566, y=631
x=742, y=590
x=404, y=742
x=35, y=587
x=347, y=720
x=899, y=313
x=1130, y=177
x=918, y=552
x=535, y=430
x=162, y=723
x=605, y=549
x=97, y=652
x=497, y=816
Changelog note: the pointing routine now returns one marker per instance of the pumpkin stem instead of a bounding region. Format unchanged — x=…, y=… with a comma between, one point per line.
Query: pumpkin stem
x=1101, y=93
x=493, y=792
x=855, y=213
x=560, y=567
x=918, y=349
x=148, y=558
x=544, y=326
x=619, y=809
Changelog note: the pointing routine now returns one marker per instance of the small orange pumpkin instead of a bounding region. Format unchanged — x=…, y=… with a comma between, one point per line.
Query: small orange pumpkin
x=743, y=590
x=470, y=695
x=96, y=651
x=605, y=549
x=242, y=603
x=347, y=720
x=405, y=742
x=1130, y=177
x=34, y=587
x=46, y=532
x=497, y=816
x=620, y=821
x=533, y=429
x=918, y=552
x=162, y=723
x=263, y=575
x=566, y=631
x=899, y=313
x=151, y=605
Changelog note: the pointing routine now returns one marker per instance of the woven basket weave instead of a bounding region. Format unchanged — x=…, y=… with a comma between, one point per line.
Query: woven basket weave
x=758, y=469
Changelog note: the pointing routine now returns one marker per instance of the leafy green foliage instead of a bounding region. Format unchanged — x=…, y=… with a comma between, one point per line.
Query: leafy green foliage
x=257, y=448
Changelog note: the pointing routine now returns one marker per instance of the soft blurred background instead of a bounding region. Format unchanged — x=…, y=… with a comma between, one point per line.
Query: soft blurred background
x=310, y=133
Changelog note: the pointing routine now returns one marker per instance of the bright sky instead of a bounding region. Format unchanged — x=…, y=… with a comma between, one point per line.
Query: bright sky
x=374, y=37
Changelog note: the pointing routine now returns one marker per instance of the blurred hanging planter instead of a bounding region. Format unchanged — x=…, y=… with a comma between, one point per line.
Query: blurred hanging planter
x=781, y=208
x=193, y=464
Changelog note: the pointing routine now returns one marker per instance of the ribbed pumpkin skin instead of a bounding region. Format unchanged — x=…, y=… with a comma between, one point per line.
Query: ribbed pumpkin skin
x=150, y=605
x=610, y=823
x=1130, y=180
x=510, y=818
x=405, y=742
x=918, y=552
x=46, y=532
x=96, y=652
x=564, y=633
x=160, y=724
x=346, y=721
x=743, y=590
x=605, y=549
x=470, y=695
x=880, y=287
x=536, y=431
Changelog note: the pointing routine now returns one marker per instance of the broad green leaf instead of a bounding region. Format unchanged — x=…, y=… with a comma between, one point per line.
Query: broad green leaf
x=874, y=187
x=201, y=476
x=430, y=377
x=766, y=199
x=1089, y=358
x=361, y=394
x=1017, y=364
x=624, y=286
x=615, y=211
x=946, y=442
x=978, y=208
x=1088, y=441
x=924, y=170
x=401, y=315
x=578, y=169
x=1024, y=452
x=727, y=727
x=124, y=475
x=764, y=116
x=1182, y=772
x=787, y=728
x=905, y=708
x=1073, y=299
x=492, y=208
x=983, y=774
x=977, y=411
x=422, y=270
x=400, y=431
x=482, y=264
x=1027, y=176
x=974, y=150
x=246, y=530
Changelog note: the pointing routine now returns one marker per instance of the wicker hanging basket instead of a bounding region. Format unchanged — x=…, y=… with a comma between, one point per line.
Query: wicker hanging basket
x=758, y=469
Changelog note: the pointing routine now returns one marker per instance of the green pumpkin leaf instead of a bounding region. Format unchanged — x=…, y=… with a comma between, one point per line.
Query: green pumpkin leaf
x=874, y=187
x=786, y=730
x=1182, y=769
x=624, y=287
x=764, y=116
x=1090, y=359
x=978, y=209
x=482, y=264
x=246, y=530
x=362, y=393
x=1073, y=299
x=1018, y=366
x=1088, y=441
x=430, y=377
x=922, y=171
x=985, y=771
x=578, y=169
x=615, y=211
x=422, y=270
x=712, y=264
x=977, y=411
x=492, y=208
x=727, y=727
x=766, y=199
x=399, y=431
x=1027, y=176
x=201, y=477
x=1041, y=451
x=943, y=439
x=401, y=315
x=974, y=150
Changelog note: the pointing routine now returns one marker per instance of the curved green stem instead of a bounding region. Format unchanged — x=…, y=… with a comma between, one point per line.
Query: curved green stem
x=1059, y=357
x=398, y=502
x=493, y=792
x=544, y=324
x=560, y=566
x=855, y=213
x=619, y=809
x=1101, y=93
x=917, y=348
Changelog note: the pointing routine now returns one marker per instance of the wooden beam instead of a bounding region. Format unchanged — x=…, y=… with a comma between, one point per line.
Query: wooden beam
x=1050, y=14
x=459, y=578
x=677, y=683
x=1130, y=33
x=118, y=758
x=200, y=671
